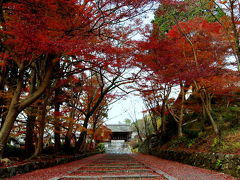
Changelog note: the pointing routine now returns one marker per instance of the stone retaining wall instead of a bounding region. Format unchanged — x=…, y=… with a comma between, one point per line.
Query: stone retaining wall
x=226, y=163
x=30, y=166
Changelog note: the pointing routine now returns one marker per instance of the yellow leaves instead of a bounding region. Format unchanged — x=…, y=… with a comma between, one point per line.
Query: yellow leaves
x=6, y=95
x=211, y=4
x=223, y=2
x=66, y=118
x=37, y=103
x=159, y=122
x=90, y=131
x=80, y=128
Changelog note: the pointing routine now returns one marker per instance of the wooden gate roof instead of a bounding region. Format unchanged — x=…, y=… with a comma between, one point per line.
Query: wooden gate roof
x=119, y=127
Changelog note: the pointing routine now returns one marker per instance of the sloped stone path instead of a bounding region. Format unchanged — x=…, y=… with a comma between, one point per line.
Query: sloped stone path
x=123, y=166
x=113, y=166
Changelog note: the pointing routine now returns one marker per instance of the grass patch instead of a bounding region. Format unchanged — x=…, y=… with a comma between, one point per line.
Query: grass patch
x=182, y=141
x=207, y=141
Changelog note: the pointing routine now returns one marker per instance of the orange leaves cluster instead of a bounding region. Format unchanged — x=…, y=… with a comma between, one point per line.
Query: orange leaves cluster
x=196, y=26
x=102, y=134
x=225, y=84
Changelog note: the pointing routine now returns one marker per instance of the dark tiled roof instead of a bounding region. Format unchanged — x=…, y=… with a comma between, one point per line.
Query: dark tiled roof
x=119, y=127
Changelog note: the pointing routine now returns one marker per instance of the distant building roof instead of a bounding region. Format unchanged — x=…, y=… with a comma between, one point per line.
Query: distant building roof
x=119, y=127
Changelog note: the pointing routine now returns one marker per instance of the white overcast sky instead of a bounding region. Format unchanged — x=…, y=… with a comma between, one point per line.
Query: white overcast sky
x=131, y=106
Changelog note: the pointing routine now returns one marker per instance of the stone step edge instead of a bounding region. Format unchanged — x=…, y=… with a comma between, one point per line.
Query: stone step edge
x=107, y=176
x=102, y=164
x=112, y=171
x=111, y=167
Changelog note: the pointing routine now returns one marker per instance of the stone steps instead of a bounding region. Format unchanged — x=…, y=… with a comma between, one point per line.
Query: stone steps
x=113, y=171
x=112, y=177
x=113, y=166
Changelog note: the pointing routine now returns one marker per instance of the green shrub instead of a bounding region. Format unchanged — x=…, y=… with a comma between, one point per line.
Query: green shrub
x=227, y=148
x=218, y=164
x=217, y=144
x=202, y=134
x=224, y=115
x=190, y=142
x=101, y=148
x=236, y=145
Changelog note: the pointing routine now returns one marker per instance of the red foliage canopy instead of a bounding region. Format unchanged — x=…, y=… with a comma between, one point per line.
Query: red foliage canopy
x=192, y=50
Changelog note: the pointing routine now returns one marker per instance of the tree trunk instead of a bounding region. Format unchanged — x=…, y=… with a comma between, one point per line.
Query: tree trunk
x=178, y=117
x=180, y=121
x=29, y=147
x=80, y=142
x=163, y=118
x=57, y=125
x=42, y=122
x=82, y=136
x=2, y=104
x=70, y=129
x=180, y=133
x=203, y=96
x=7, y=127
x=92, y=138
x=214, y=125
x=2, y=111
x=138, y=132
x=12, y=114
x=57, y=128
x=16, y=106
